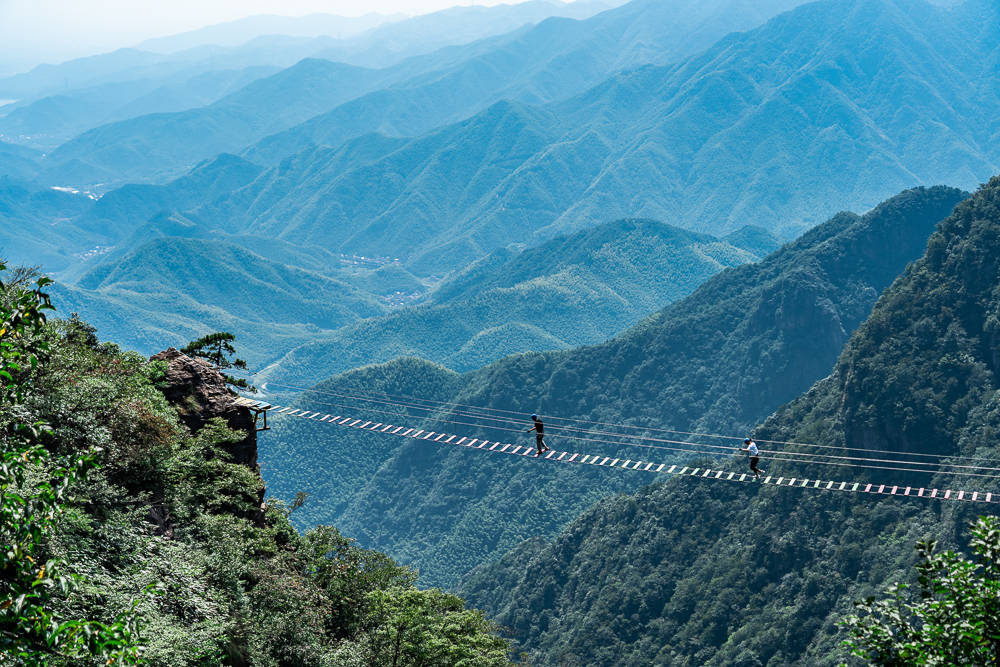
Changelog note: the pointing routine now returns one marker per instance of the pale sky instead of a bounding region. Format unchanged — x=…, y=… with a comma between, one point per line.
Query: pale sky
x=33, y=31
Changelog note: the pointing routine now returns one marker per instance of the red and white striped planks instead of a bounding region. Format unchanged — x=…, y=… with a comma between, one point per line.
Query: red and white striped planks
x=644, y=466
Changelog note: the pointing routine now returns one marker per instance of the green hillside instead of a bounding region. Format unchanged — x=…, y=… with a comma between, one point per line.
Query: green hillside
x=567, y=292
x=743, y=343
x=627, y=582
x=136, y=530
x=172, y=290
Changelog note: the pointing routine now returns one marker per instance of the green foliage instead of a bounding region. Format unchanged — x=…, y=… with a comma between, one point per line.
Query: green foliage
x=169, y=529
x=953, y=618
x=217, y=348
x=573, y=290
x=412, y=627
x=34, y=494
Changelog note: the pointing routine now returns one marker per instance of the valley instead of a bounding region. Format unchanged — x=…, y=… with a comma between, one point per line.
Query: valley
x=665, y=227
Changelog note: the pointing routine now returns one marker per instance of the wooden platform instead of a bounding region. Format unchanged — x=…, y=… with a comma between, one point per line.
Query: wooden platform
x=258, y=408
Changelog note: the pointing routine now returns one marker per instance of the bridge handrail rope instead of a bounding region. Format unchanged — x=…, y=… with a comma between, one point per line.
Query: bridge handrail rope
x=776, y=455
x=679, y=469
x=691, y=447
x=442, y=405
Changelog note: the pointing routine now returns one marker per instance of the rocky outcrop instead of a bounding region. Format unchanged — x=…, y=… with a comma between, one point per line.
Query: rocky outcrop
x=199, y=393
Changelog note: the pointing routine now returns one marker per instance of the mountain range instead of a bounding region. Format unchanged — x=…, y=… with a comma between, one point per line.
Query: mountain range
x=626, y=582
x=54, y=103
x=568, y=292
x=557, y=58
x=704, y=144
x=333, y=315
x=743, y=343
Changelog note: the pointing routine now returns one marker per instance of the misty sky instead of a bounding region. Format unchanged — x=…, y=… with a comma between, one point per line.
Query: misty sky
x=33, y=31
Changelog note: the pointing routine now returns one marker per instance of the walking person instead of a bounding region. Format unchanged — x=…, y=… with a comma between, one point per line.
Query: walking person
x=750, y=447
x=539, y=428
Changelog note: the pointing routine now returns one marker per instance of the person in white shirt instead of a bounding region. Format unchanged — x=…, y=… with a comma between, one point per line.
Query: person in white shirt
x=750, y=447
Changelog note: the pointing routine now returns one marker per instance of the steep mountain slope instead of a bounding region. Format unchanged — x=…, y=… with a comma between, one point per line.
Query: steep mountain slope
x=567, y=292
x=777, y=127
x=787, y=318
x=920, y=375
x=159, y=469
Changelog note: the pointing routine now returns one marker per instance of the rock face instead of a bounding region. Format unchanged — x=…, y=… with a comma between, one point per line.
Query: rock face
x=199, y=393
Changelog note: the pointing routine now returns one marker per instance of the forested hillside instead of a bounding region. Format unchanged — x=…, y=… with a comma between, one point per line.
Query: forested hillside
x=567, y=292
x=641, y=579
x=140, y=477
x=446, y=511
x=329, y=315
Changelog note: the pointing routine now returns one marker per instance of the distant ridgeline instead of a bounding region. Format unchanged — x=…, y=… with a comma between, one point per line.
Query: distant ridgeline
x=642, y=579
x=746, y=341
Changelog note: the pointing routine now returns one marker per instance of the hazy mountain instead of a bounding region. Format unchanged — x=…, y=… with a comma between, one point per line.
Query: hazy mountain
x=241, y=31
x=18, y=162
x=559, y=58
x=117, y=215
x=564, y=293
x=167, y=144
x=554, y=60
x=392, y=42
x=741, y=344
x=35, y=227
x=55, y=119
x=918, y=376
x=705, y=143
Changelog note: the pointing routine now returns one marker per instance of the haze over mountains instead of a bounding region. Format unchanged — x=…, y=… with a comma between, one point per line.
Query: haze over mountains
x=702, y=144
x=56, y=102
x=779, y=126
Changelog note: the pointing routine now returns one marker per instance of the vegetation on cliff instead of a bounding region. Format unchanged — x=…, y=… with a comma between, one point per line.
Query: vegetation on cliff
x=178, y=561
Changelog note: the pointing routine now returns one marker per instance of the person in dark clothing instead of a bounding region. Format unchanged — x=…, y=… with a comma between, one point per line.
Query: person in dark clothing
x=539, y=428
x=750, y=447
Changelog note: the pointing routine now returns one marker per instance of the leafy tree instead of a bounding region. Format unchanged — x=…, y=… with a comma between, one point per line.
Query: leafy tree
x=34, y=488
x=415, y=627
x=218, y=349
x=953, y=620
